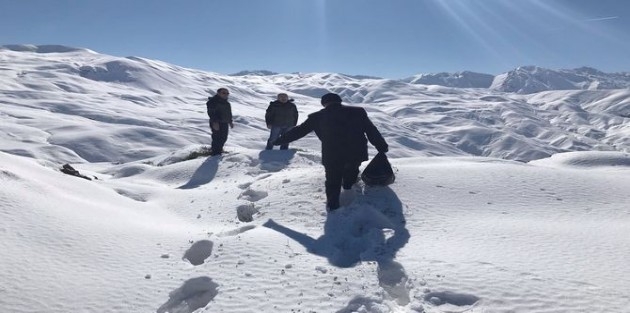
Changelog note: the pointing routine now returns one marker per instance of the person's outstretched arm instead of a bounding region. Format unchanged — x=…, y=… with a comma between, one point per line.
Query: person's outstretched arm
x=296, y=132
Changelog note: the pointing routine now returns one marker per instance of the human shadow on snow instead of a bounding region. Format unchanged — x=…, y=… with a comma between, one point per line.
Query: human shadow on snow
x=270, y=161
x=371, y=228
x=275, y=160
x=193, y=294
x=204, y=174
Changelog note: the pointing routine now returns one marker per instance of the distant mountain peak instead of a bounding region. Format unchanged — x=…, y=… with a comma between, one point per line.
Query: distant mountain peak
x=589, y=71
x=44, y=48
x=362, y=76
x=532, y=79
x=254, y=73
x=465, y=79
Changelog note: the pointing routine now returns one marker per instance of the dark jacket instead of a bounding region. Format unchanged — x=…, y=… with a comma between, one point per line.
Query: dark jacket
x=342, y=130
x=219, y=110
x=281, y=114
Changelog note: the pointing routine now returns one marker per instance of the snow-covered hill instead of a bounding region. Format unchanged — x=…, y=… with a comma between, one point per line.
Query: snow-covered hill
x=528, y=80
x=136, y=98
x=159, y=228
x=532, y=79
x=465, y=79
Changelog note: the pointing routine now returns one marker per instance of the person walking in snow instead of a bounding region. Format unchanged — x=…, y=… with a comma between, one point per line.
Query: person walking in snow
x=342, y=131
x=220, y=114
x=281, y=115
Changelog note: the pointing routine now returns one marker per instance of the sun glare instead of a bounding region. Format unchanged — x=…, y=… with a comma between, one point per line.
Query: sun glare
x=322, y=30
x=466, y=15
x=504, y=28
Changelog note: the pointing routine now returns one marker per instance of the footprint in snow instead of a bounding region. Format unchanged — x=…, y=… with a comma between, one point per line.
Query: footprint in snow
x=195, y=293
x=452, y=301
x=199, y=252
x=236, y=232
x=253, y=195
x=245, y=213
x=392, y=278
x=244, y=186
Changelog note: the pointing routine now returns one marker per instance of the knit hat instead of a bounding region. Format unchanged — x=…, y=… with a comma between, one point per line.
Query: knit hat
x=330, y=98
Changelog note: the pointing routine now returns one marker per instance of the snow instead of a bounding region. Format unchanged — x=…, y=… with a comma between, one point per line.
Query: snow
x=503, y=202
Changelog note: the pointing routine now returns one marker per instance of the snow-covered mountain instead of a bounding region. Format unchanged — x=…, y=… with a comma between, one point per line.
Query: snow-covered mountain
x=532, y=79
x=162, y=228
x=255, y=73
x=135, y=96
x=528, y=80
x=522, y=80
x=464, y=79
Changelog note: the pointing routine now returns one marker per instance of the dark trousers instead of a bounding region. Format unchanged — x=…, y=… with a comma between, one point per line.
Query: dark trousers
x=219, y=137
x=338, y=175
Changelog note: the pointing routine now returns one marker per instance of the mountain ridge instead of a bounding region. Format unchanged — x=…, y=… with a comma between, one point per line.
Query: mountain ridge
x=521, y=80
x=136, y=97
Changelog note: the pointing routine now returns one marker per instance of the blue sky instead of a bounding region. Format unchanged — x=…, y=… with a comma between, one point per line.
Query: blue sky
x=386, y=38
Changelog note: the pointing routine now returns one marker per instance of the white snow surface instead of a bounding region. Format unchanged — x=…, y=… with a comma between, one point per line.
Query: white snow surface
x=503, y=202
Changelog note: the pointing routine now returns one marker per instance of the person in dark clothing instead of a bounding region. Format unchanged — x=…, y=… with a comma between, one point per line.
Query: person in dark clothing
x=280, y=116
x=342, y=131
x=220, y=114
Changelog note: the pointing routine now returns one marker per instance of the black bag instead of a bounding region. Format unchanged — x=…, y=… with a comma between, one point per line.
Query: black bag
x=378, y=172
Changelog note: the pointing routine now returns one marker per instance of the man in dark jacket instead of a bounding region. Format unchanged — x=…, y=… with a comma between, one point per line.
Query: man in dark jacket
x=281, y=115
x=220, y=113
x=342, y=130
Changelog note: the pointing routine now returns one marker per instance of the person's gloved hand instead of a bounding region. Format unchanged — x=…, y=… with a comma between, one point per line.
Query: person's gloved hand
x=383, y=150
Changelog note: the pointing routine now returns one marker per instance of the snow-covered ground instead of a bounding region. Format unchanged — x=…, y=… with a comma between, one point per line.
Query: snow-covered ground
x=502, y=202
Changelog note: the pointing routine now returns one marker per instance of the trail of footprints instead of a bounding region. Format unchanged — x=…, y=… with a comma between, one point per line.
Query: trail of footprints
x=197, y=292
x=246, y=212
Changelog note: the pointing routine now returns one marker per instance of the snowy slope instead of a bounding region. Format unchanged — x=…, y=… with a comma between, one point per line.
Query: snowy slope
x=139, y=98
x=502, y=203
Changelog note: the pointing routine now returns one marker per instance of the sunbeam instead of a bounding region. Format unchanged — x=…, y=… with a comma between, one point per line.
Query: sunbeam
x=504, y=28
x=478, y=22
x=323, y=48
